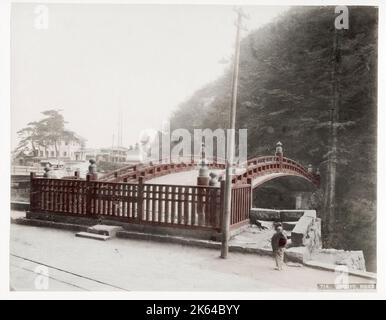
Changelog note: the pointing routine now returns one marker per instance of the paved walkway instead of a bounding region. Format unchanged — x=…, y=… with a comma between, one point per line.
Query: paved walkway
x=254, y=238
x=134, y=265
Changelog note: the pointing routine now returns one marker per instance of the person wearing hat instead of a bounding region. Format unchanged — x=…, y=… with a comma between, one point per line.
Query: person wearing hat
x=278, y=242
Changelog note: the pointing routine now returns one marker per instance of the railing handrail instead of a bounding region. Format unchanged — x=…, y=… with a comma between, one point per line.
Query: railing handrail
x=158, y=163
x=124, y=183
x=135, y=171
x=260, y=161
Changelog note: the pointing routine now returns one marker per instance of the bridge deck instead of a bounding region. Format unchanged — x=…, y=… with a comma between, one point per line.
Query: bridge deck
x=190, y=178
x=179, y=178
x=186, y=177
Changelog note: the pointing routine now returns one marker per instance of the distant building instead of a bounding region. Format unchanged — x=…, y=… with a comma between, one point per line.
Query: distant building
x=91, y=153
x=113, y=154
x=65, y=150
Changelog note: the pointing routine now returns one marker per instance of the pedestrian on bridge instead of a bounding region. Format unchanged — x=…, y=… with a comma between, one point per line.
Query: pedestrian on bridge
x=278, y=242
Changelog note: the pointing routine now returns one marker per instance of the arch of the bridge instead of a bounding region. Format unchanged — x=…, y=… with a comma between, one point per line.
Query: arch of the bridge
x=263, y=169
x=150, y=171
x=255, y=172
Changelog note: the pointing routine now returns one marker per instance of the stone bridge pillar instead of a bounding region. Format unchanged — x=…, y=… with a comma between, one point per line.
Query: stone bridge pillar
x=47, y=172
x=92, y=170
x=202, y=180
x=203, y=174
x=279, y=152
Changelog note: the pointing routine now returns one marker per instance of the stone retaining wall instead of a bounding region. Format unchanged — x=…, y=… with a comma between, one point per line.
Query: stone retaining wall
x=275, y=215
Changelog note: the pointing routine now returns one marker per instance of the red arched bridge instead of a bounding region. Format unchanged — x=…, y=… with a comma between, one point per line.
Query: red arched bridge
x=131, y=195
x=257, y=170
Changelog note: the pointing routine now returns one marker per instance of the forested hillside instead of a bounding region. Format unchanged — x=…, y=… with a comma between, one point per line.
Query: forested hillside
x=286, y=93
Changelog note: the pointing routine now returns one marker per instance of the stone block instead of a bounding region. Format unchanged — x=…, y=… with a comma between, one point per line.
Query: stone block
x=296, y=254
x=288, y=226
x=264, y=215
x=106, y=230
x=306, y=231
x=92, y=236
x=291, y=215
x=310, y=213
x=353, y=260
x=19, y=206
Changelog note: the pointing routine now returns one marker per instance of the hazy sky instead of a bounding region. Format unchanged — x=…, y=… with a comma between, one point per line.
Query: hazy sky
x=94, y=60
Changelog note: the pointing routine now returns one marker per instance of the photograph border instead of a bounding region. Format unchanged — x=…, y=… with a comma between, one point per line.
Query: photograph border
x=5, y=9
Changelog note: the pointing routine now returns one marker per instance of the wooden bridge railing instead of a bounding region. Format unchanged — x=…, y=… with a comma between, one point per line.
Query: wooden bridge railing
x=274, y=164
x=241, y=204
x=167, y=205
x=252, y=168
x=134, y=172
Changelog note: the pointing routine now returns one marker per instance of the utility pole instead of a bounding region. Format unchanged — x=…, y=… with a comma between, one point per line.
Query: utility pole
x=331, y=175
x=231, y=142
x=334, y=118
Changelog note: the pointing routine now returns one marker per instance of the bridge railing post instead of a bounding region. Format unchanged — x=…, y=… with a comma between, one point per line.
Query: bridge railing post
x=32, y=191
x=279, y=153
x=249, y=181
x=92, y=170
x=89, y=178
x=140, y=199
x=222, y=202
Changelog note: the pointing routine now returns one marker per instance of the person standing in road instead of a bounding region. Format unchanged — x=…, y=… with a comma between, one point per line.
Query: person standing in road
x=278, y=242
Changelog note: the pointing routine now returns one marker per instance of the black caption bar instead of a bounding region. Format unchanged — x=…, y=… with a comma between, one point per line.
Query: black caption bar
x=191, y=310
x=199, y=309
